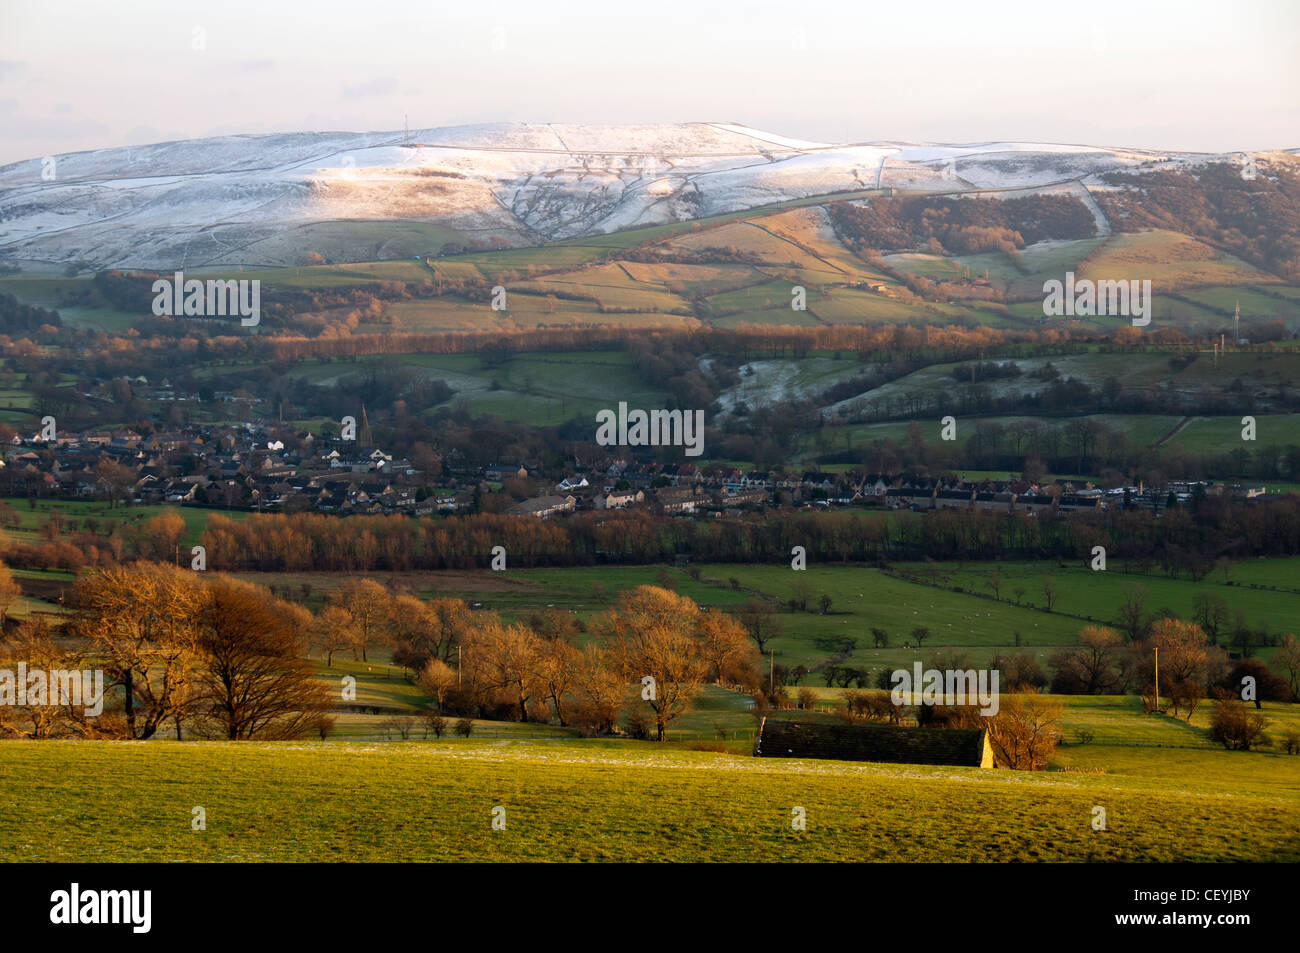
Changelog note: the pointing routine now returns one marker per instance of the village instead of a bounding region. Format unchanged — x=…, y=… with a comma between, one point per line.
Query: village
x=266, y=467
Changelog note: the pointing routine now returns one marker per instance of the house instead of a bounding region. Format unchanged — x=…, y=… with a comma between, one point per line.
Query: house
x=544, y=506
x=778, y=738
x=619, y=498
x=817, y=481
x=1079, y=501
x=499, y=472
x=908, y=496
x=682, y=499
x=753, y=496
x=179, y=491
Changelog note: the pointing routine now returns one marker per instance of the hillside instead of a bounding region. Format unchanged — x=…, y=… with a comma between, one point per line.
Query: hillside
x=272, y=199
x=628, y=801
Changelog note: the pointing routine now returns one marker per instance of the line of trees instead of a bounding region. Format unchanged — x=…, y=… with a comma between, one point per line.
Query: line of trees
x=1182, y=541
x=472, y=663
x=209, y=655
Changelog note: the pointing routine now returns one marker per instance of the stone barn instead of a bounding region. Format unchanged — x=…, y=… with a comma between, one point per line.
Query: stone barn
x=963, y=747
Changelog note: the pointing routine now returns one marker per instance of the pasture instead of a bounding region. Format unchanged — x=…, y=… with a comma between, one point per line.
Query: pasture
x=569, y=800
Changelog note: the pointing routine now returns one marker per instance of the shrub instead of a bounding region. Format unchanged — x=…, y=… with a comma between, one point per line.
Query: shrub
x=1025, y=731
x=587, y=719
x=465, y=727
x=1235, y=727
x=401, y=724
x=637, y=726
x=436, y=723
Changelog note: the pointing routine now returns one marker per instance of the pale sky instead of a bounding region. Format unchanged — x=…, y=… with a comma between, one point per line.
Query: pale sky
x=1198, y=76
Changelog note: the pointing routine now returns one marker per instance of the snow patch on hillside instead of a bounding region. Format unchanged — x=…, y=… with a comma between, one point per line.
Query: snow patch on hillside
x=265, y=199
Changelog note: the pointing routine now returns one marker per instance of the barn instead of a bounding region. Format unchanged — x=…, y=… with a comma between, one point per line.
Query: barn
x=964, y=747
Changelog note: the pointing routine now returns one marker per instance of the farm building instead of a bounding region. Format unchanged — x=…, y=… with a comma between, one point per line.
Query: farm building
x=966, y=747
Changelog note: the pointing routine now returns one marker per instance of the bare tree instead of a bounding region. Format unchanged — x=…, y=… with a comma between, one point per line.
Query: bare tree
x=435, y=722
x=600, y=689
x=33, y=644
x=255, y=682
x=1132, y=619
x=113, y=480
x=1236, y=727
x=762, y=622
x=332, y=631
x=9, y=591
x=724, y=644
x=557, y=670
x=1186, y=659
x=1025, y=731
x=651, y=632
x=1050, y=591
x=1288, y=656
x=141, y=620
x=369, y=605
x=1094, y=664
x=437, y=680
x=506, y=658
x=1211, y=612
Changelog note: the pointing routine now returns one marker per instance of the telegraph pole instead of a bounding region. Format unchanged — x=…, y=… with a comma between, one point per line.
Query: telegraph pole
x=1157, y=678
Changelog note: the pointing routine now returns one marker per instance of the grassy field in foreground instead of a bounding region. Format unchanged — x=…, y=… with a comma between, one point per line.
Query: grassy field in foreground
x=341, y=801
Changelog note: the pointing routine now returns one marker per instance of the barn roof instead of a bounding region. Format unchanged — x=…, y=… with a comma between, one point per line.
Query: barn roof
x=779, y=738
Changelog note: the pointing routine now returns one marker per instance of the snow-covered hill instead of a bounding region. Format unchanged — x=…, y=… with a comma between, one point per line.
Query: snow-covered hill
x=272, y=199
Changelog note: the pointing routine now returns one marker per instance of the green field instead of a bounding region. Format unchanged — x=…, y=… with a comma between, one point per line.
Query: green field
x=1095, y=597
x=1171, y=261
x=1264, y=590
x=864, y=598
x=1223, y=434
x=594, y=800
x=33, y=514
x=1170, y=793
x=540, y=389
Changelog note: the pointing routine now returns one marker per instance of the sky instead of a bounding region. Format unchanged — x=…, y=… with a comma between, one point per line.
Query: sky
x=1194, y=76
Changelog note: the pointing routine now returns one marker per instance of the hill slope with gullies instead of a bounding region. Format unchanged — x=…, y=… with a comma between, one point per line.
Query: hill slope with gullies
x=273, y=200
